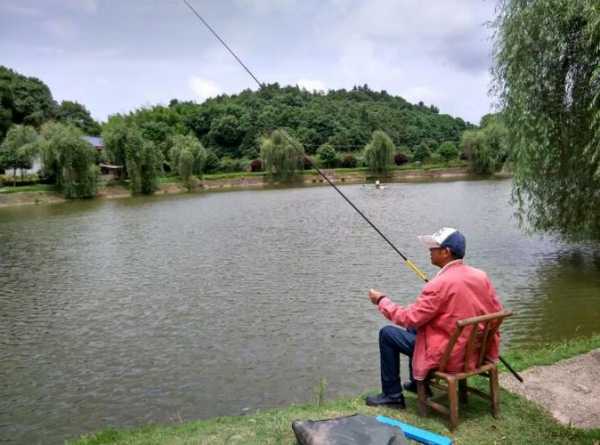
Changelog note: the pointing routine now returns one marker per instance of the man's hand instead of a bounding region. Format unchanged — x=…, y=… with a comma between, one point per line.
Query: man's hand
x=375, y=295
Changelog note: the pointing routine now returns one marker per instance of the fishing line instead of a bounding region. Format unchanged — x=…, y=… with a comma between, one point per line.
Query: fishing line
x=408, y=262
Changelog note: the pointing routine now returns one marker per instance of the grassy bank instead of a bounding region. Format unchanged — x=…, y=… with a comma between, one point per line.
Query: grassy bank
x=521, y=422
x=42, y=194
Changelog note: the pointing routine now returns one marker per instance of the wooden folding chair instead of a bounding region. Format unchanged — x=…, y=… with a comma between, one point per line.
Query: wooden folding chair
x=480, y=331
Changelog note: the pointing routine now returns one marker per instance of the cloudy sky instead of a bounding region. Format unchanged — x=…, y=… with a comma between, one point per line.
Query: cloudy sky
x=118, y=55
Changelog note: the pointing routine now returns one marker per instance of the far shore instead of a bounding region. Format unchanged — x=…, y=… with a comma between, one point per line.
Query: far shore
x=168, y=186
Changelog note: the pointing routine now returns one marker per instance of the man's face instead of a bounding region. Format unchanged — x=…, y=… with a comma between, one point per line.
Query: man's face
x=440, y=256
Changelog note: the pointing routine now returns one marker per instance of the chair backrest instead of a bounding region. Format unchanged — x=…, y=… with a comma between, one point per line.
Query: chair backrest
x=480, y=331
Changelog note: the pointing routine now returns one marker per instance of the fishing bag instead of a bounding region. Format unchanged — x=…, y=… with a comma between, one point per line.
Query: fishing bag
x=349, y=430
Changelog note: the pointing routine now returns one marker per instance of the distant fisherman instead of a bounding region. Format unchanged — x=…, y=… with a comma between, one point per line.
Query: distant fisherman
x=457, y=292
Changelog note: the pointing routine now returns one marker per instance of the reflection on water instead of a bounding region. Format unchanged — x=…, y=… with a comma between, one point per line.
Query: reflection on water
x=119, y=313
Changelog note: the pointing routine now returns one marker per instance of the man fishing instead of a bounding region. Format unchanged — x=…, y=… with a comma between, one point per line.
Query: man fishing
x=457, y=292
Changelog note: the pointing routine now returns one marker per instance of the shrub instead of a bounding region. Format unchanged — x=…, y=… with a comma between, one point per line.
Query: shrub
x=422, y=152
x=436, y=158
x=256, y=165
x=448, y=151
x=400, y=159
x=212, y=163
x=28, y=179
x=327, y=156
x=349, y=161
x=229, y=165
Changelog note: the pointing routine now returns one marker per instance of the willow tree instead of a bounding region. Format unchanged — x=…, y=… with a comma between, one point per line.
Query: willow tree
x=547, y=59
x=18, y=149
x=126, y=146
x=149, y=161
x=486, y=148
x=283, y=155
x=70, y=160
x=187, y=157
x=379, y=152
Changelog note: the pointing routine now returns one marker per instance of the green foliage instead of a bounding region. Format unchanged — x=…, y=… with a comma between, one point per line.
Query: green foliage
x=212, y=162
x=19, y=148
x=75, y=114
x=150, y=168
x=232, y=126
x=448, y=151
x=547, y=60
x=379, y=152
x=69, y=160
x=230, y=165
x=23, y=100
x=486, y=149
x=225, y=133
x=327, y=156
x=189, y=143
x=422, y=152
x=282, y=154
x=142, y=159
x=120, y=138
x=349, y=161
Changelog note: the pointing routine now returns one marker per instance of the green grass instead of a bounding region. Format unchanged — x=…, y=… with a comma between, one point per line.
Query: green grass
x=520, y=422
x=231, y=175
x=29, y=188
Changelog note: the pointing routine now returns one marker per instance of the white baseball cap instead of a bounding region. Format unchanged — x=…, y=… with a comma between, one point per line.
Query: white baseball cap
x=446, y=237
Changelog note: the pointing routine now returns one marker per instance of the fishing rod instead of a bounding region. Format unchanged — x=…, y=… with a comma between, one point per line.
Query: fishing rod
x=408, y=262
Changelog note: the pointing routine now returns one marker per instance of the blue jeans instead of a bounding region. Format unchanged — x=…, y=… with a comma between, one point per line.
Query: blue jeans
x=392, y=342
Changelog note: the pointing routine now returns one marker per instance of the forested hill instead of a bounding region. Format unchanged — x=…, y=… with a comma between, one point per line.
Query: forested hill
x=28, y=101
x=230, y=125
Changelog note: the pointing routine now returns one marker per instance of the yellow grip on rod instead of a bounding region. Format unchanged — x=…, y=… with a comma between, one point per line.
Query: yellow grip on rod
x=416, y=270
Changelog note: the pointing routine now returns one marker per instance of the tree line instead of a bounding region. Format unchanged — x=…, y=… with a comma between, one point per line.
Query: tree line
x=227, y=133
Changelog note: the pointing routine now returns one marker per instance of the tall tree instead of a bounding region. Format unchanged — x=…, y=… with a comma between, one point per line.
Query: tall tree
x=141, y=158
x=547, y=56
x=150, y=161
x=31, y=101
x=70, y=160
x=187, y=157
x=18, y=149
x=283, y=155
x=379, y=152
x=74, y=113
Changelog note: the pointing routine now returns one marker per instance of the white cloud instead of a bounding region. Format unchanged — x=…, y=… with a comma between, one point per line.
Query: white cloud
x=266, y=6
x=88, y=6
x=311, y=85
x=204, y=88
x=19, y=10
x=61, y=28
x=421, y=93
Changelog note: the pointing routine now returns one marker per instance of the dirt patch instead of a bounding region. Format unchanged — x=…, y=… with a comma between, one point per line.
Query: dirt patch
x=27, y=198
x=568, y=389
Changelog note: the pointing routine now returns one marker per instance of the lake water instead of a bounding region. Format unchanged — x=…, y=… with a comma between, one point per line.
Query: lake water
x=123, y=312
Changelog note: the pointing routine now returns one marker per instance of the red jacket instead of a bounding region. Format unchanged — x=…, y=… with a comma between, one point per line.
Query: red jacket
x=458, y=291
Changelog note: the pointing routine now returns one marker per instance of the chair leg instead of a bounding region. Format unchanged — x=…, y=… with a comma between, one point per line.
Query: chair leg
x=422, y=398
x=494, y=392
x=453, y=399
x=462, y=391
